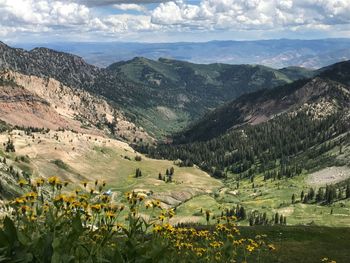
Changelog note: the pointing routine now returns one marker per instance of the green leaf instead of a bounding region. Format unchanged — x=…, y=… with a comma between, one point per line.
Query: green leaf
x=77, y=225
x=10, y=230
x=117, y=257
x=56, y=243
x=23, y=239
x=56, y=258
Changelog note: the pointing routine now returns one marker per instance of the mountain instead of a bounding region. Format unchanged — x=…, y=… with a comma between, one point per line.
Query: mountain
x=42, y=62
x=338, y=72
x=296, y=127
x=276, y=53
x=181, y=92
x=162, y=96
x=45, y=103
x=263, y=105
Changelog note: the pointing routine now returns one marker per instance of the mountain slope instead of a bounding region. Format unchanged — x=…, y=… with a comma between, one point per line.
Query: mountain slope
x=287, y=129
x=263, y=105
x=183, y=89
x=29, y=101
x=162, y=96
x=69, y=69
x=338, y=72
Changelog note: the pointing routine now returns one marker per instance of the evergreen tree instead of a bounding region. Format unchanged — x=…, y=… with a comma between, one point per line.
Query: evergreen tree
x=347, y=192
x=138, y=173
x=320, y=195
x=293, y=198
x=311, y=194
x=242, y=213
x=276, y=219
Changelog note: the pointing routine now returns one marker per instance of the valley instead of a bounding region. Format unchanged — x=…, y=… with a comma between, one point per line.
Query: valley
x=269, y=147
x=161, y=96
x=77, y=158
x=175, y=131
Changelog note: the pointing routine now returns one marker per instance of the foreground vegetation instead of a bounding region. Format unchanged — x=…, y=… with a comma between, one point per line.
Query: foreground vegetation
x=48, y=225
x=304, y=244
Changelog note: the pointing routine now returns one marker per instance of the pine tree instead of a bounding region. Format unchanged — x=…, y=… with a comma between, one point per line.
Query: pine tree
x=276, y=218
x=311, y=194
x=138, y=173
x=320, y=195
x=242, y=213
x=251, y=220
x=347, y=192
x=293, y=198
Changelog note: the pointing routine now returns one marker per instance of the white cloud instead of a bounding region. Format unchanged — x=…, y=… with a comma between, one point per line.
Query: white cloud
x=65, y=17
x=253, y=14
x=46, y=13
x=111, y=2
x=127, y=7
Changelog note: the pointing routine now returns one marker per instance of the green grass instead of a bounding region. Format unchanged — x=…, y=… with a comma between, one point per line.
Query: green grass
x=275, y=196
x=304, y=244
x=61, y=164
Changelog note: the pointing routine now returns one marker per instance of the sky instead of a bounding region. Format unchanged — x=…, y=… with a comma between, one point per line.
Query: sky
x=171, y=21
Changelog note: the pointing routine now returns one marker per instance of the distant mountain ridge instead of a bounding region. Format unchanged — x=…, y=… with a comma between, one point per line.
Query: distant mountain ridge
x=162, y=96
x=276, y=53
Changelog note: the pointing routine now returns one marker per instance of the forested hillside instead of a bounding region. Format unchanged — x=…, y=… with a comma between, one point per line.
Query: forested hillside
x=162, y=96
x=278, y=132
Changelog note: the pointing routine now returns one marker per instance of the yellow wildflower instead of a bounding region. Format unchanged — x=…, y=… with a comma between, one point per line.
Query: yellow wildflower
x=53, y=180
x=96, y=208
x=110, y=215
x=22, y=182
x=24, y=209
x=271, y=247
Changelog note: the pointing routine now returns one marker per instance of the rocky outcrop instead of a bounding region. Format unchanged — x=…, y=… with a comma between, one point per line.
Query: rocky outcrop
x=47, y=103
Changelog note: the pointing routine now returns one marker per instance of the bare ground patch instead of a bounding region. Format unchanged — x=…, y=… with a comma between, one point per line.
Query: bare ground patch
x=329, y=175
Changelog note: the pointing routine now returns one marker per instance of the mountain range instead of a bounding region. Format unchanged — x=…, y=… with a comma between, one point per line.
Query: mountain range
x=294, y=127
x=162, y=96
x=318, y=95
x=263, y=134
x=277, y=53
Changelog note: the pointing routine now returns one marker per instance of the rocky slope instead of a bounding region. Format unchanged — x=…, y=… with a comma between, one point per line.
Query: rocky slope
x=32, y=101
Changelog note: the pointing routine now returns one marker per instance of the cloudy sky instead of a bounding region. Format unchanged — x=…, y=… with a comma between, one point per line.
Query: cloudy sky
x=171, y=20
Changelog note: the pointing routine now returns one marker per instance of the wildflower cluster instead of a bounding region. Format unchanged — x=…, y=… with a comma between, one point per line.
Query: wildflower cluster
x=52, y=223
x=219, y=243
